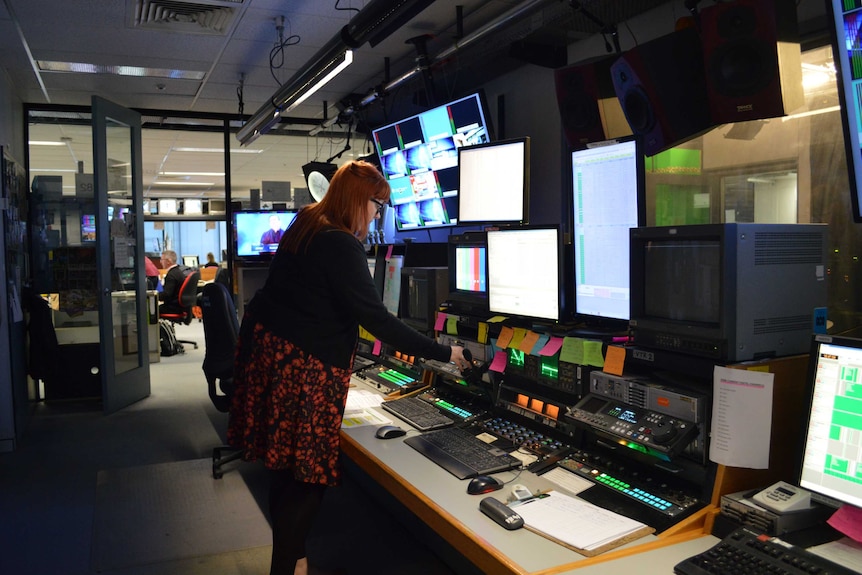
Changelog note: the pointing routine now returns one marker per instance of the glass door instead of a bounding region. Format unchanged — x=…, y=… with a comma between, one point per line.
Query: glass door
x=124, y=321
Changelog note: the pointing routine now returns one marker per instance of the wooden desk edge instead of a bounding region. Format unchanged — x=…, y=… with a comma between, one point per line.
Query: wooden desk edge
x=481, y=553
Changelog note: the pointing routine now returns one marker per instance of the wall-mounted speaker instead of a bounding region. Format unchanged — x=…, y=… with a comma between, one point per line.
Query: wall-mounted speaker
x=752, y=59
x=661, y=87
x=589, y=108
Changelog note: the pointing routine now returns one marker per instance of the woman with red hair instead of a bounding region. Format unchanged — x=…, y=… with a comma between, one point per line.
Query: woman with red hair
x=296, y=348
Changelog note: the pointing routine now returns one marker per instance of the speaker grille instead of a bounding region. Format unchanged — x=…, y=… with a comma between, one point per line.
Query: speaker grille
x=781, y=248
x=782, y=324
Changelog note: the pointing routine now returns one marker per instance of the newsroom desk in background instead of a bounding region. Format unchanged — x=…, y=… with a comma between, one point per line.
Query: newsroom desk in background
x=440, y=500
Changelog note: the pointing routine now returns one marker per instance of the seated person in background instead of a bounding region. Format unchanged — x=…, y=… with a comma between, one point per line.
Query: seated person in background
x=173, y=282
x=274, y=233
x=211, y=263
x=151, y=272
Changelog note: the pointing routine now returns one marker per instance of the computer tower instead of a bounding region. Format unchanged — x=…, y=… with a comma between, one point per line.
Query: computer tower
x=423, y=289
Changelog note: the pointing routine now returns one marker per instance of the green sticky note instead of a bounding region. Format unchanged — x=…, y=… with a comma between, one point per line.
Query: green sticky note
x=572, y=350
x=593, y=353
x=452, y=325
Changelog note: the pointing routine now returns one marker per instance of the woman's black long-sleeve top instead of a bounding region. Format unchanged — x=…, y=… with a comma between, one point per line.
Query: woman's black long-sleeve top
x=318, y=297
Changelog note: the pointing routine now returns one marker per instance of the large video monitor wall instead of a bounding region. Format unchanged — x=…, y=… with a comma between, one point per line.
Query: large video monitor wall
x=419, y=158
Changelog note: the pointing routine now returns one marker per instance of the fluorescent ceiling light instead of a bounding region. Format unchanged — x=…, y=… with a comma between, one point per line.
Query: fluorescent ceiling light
x=84, y=68
x=160, y=183
x=216, y=174
x=44, y=143
x=345, y=62
x=55, y=170
x=217, y=150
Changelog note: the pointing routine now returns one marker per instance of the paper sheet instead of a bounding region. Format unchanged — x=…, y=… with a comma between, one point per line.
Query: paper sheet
x=575, y=522
x=741, y=418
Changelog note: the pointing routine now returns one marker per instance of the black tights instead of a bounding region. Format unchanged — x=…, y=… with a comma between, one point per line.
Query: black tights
x=293, y=505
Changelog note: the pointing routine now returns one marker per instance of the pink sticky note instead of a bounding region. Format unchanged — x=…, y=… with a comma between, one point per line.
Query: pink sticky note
x=376, y=348
x=552, y=347
x=499, y=362
x=441, y=321
x=848, y=520
x=389, y=251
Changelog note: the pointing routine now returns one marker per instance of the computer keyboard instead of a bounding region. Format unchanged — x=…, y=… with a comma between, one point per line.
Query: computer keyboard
x=747, y=551
x=461, y=453
x=418, y=413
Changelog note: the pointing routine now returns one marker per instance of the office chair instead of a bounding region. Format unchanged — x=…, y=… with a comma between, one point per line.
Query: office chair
x=221, y=330
x=187, y=299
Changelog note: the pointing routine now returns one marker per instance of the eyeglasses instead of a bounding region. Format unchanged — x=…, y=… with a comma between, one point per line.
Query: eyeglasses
x=380, y=205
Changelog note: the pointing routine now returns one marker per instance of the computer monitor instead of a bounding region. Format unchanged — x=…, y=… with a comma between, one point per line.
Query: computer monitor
x=88, y=227
x=494, y=182
x=468, y=272
x=257, y=232
x=419, y=158
x=193, y=207
x=191, y=261
x=168, y=207
x=524, y=272
x=832, y=449
x=607, y=201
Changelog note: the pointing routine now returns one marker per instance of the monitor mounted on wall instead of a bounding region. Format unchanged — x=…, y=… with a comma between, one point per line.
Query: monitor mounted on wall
x=494, y=182
x=419, y=157
x=845, y=19
x=258, y=232
x=607, y=201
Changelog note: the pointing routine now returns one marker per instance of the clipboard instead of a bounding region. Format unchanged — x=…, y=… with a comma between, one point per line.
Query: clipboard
x=550, y=530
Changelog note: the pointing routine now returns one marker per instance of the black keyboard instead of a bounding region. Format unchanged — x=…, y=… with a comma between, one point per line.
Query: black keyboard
x=418, y=413
x=461, y=453
x=747, y=551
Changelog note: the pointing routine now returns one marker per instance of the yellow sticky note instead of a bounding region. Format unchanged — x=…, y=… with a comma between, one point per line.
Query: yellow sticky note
x=518, y=334
x=483, y=332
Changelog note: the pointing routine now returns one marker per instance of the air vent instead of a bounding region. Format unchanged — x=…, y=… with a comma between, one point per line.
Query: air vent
x=783, y=248
x=185, y=17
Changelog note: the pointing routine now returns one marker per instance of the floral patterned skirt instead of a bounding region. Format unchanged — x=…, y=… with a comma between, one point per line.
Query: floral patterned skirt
x=287, y=407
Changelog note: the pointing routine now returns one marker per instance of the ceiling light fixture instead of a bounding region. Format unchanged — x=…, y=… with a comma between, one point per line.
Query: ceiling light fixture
x=376, y=20
x=212, y=174
x=138, y=71
x=216, y=150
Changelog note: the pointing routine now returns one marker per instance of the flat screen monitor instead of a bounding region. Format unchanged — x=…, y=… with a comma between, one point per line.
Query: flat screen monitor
x=167, y=207
x=191, y=261
x=468, y=272
x=193, y=207
x=846, y=24
x=494, y=182
x=257, y=232
x=524, y=272
x=607, y=202
x=88, y=227
x=831, y=452
x=419, y=157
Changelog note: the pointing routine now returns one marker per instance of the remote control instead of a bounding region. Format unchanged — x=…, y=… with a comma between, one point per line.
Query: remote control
x=501, y=513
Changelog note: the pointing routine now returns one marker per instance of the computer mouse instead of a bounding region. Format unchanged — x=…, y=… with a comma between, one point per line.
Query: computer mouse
x=483, y=484
x=389, y=432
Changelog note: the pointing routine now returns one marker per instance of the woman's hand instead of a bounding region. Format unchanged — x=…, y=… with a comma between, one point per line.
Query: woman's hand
x=457, y=357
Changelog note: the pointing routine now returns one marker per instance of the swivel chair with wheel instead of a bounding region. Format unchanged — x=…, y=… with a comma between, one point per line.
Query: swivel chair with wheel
x=221, y=331
x=186, y=300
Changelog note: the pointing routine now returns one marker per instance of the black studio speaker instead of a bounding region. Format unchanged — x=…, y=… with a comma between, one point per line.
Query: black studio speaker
x=589, y=108
x=661, y=87
x=752, y=59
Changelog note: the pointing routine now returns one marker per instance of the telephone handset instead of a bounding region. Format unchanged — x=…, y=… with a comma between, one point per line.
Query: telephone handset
x=781, y=497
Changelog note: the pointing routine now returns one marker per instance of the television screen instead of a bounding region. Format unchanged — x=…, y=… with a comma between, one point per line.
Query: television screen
x=524, y=266
x=419, y=157
x=468, y=272
x=193, y=207
x=167, y=207
x=494, y=182
x=830, y=452
x=258, y=232
x=607, y=201
x=88, y=227
x=846, y=19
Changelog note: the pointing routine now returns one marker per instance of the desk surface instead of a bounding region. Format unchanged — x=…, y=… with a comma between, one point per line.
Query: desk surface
x=442, y=502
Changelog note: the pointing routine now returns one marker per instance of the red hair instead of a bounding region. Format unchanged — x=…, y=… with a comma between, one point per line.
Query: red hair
x=345, y=205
